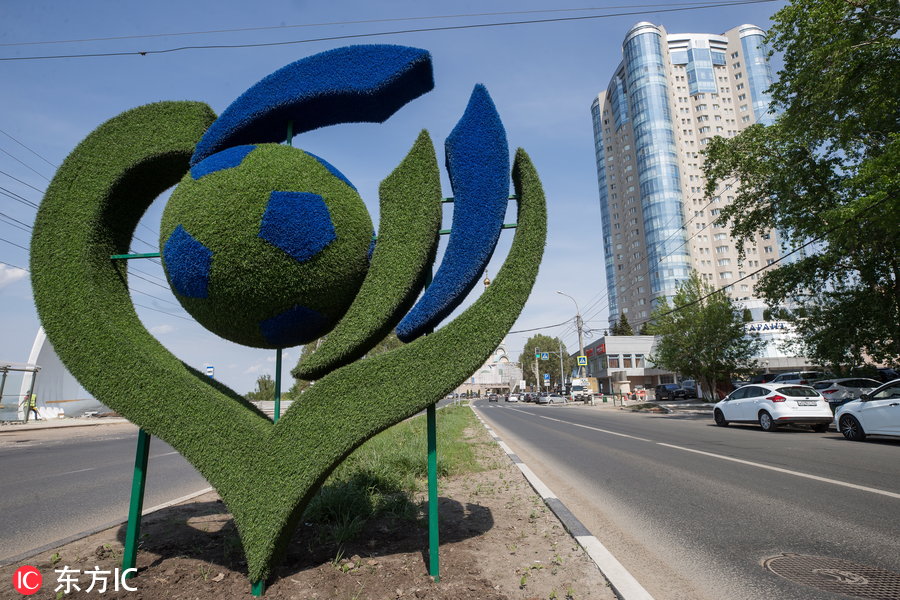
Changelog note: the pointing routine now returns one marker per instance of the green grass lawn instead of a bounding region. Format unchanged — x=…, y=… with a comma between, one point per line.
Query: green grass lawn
x=383, y=475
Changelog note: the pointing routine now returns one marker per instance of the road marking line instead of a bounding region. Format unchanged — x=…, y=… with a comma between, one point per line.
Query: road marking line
x=166, y=454
x=622, y=582
x=78, y=471
x=786, y=471
x=625, y=435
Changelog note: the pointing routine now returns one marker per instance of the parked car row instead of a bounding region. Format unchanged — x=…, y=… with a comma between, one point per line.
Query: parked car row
x=875, y=412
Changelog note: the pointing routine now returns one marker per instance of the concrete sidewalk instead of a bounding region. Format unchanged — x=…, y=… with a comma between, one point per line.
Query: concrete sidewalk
x=32, y=425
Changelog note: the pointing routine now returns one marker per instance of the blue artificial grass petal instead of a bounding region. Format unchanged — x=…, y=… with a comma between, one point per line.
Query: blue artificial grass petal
x=478, y=164
x=353, y=84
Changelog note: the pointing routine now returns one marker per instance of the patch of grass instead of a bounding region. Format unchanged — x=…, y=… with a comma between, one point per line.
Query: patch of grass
x=382, y=476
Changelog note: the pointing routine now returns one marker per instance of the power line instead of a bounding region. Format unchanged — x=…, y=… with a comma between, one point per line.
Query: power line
x=22, y=182
x=162, y=311
x=16, y=197
x=13, y=266
x=38, y=173
x=539, y=328
x=775, y=262
x=14, y=244
x=383, y=33
x=26, y=147
x=332, y=23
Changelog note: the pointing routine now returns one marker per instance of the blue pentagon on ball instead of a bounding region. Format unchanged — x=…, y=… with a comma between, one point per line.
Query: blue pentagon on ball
x=265, y=245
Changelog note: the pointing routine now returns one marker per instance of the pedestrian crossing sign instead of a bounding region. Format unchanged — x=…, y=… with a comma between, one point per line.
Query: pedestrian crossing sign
x=582, y=361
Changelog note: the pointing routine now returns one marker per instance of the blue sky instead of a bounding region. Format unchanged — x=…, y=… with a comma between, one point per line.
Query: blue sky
x=542, y=77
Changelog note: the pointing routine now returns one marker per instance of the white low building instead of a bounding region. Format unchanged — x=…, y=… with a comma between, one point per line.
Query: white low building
x=498, y=375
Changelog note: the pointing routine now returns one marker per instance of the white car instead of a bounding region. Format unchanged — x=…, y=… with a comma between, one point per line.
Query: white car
x=512, y=398
x=773, y=404
x=877, y=413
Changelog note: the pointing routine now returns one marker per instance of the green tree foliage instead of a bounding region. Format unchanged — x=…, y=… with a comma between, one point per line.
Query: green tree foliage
x=622, y=326
x=545, y=343
x=827, y=174
x=703, y=337
x=747, y=315
x=265, y=389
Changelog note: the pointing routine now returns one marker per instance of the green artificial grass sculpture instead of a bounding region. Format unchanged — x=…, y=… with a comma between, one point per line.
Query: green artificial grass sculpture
x=267, y=247
x=265, y=473
x=407, y=241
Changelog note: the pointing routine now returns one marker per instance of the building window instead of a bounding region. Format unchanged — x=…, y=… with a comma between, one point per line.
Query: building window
x=613, y=361
x=639, y=361
x=626, y=361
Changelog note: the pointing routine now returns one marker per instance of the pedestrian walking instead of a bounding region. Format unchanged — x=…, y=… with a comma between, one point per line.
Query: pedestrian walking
x=32, y=407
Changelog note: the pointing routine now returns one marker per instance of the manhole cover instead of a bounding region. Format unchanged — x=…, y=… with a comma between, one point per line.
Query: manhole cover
x=837, y=576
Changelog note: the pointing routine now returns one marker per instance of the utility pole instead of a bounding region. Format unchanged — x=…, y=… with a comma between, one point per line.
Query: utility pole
x=562, y=374
x=536, y=372
x=579, y=324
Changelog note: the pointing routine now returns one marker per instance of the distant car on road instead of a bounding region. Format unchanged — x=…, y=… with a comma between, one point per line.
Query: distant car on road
x=513, y=398
x=773, y=404
x=493, y=398
x=841, y=391
x=799, y=377
x=877, y=413
x=551, y=399
x=670, y=391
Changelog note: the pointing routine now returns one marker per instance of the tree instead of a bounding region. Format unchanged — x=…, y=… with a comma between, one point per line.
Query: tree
x=826, y=176
x=748, y=316
x=646, y=328
x=545, y=343
x=265, y=389
x=703, y=336
x=622, y=326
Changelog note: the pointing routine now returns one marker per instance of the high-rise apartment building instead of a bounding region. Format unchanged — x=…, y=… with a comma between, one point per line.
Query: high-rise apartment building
x=668, y=97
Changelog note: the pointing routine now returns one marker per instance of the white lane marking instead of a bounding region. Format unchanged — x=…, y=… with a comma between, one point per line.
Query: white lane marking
x=166, y=454
x=787, y=471
x=846, y=484
x=176, y=501
x=624, y=582
x=625, y=435
x=78, y=471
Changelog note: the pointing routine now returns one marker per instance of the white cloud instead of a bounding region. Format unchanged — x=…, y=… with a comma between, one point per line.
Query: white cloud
x=10, y=275
x=162, y=329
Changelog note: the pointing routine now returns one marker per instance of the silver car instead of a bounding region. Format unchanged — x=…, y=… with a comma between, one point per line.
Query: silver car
x=841, y=391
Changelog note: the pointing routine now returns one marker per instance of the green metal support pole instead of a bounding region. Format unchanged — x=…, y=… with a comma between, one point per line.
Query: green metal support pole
x=136, y=506
x=434, y=565
x=277, y=385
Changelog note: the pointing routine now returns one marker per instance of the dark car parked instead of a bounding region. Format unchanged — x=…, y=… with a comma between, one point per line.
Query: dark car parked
x=690, y=388
x=763, y=378
x=670, y=391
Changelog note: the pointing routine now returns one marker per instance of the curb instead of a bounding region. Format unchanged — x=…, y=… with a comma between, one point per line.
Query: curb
x=117, y=523
x=622, y=582
x=62, y=424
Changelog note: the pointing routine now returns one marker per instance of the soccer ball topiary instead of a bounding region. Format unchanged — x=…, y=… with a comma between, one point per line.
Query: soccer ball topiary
x=265, y=245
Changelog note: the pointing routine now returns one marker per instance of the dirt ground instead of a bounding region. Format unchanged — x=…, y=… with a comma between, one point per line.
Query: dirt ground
x=498, y=541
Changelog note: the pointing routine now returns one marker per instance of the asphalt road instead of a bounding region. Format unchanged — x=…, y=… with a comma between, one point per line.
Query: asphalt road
x=690, y=509
x=59, y=482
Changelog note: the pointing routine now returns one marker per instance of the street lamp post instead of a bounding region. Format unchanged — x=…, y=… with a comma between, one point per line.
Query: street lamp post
x=580, y=325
